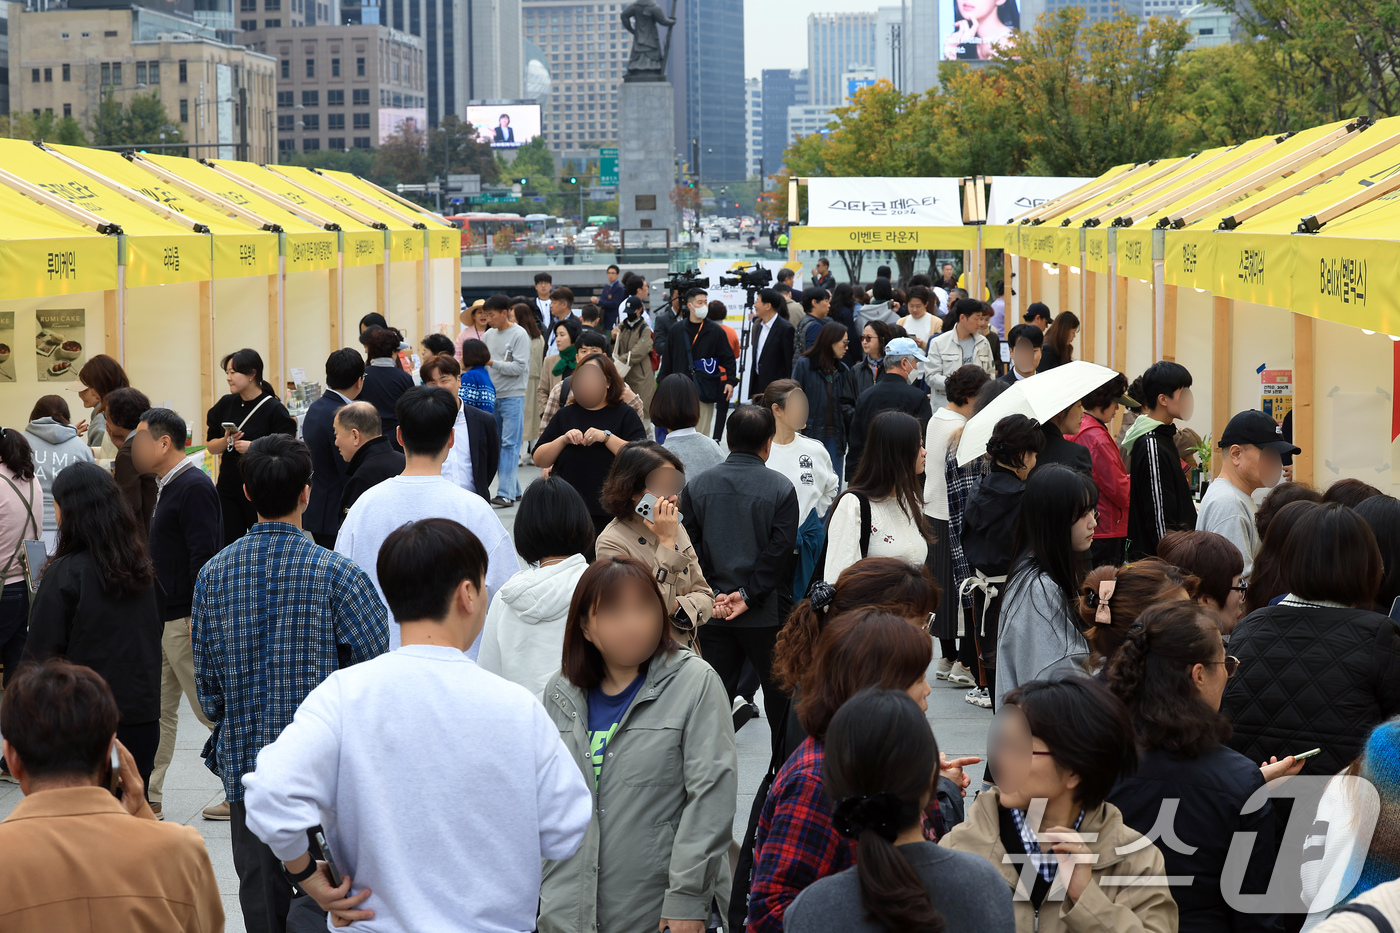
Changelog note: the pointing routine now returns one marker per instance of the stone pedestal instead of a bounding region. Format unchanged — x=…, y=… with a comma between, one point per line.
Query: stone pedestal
x=646, y=162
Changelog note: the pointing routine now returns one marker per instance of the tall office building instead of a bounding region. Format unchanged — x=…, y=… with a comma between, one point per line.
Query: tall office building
x=920, y=40
x=584, y=49
x=889, y=45
x=781, y=89
x=1098, y=10
x=472, y=47
x=837, y=43
x=753, y=115
x=707, y=71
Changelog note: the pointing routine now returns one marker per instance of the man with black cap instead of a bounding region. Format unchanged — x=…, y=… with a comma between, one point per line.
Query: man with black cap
x=1253, y=454
x=1039, y=315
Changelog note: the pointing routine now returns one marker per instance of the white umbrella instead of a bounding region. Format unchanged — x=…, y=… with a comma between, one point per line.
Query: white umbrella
x=1042, y=396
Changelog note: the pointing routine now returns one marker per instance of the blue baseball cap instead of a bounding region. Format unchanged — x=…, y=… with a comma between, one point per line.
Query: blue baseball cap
x=905, y=346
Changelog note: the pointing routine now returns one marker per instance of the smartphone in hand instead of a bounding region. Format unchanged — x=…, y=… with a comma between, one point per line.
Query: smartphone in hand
x=320, y=837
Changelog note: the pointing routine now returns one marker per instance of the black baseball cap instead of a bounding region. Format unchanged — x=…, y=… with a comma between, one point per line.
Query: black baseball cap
x=1259, y=429
x=1036, y=309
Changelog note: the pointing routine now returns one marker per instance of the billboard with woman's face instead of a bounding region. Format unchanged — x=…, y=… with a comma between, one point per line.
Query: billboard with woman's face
x=975, y=30
x=505, y=125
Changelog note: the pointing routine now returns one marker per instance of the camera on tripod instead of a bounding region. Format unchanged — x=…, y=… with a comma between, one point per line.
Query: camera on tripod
x=682, y=282
x=751, y=279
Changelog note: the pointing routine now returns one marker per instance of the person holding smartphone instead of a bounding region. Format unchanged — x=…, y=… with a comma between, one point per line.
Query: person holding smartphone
x=641, y=492
x=251, y=410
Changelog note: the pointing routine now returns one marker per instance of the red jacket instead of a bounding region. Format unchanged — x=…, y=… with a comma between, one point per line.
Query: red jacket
x=1109, y=475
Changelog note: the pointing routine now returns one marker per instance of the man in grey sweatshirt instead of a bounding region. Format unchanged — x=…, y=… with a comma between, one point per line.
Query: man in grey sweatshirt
x=510, y=370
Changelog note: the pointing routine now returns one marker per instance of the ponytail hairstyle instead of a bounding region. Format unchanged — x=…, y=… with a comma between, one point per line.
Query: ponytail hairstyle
x=880, y=763
x=1112, y=598
x=882, y=584
x=250, y=363
x=1151, y=674
x=16, y=454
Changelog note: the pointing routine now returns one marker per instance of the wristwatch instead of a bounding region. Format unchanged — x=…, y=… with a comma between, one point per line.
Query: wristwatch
x=606, y=436
x=302, y=875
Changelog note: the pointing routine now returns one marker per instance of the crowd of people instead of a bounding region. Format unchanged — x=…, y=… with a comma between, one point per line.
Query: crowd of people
x=423, y=721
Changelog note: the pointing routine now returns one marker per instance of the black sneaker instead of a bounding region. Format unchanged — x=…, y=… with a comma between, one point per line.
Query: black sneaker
x=743, y=712
x=501, y=502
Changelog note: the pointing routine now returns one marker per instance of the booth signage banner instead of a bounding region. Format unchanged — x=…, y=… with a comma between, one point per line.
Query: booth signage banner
x=1134, y=248
x=1096, y=249
x=1256, y=268
x=859, y=238
x=1189, y=260
x=1039, y=243
x=1276, y=392
x=1014, y=195
x=1349, y=281
x=884, y=202
x=59, y=343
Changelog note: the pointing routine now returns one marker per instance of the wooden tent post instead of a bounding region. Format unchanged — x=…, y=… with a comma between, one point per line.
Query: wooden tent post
x=1169, y=299
x=1304, y=332
x=1223, y=313
x=1120, y=324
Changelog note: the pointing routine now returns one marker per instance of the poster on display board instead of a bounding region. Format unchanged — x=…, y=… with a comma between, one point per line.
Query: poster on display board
x=884, y=202
x=1277, y=391
x=975, y=30
x=59, y=343
x=7, y=346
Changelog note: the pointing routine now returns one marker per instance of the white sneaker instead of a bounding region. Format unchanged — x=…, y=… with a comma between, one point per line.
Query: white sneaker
x=958, y=674
x=979, y=696
x=944, y=666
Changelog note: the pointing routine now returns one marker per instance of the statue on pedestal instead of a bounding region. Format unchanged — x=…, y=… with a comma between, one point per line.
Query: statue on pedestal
x=648, y=60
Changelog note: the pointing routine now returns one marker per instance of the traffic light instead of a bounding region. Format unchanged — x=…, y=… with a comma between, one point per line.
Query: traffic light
x=573, y=179
x=522, y=181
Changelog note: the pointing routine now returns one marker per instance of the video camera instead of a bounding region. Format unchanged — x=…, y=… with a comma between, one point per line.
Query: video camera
x=682, y=282
x=751, y=279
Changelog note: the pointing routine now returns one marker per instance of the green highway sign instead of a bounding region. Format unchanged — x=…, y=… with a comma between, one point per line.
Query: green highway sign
x=493, y=198
x=607, y=166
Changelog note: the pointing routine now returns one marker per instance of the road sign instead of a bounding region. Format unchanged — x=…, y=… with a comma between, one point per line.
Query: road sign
x=459, y=201
x=492, y=198
x=607, y=167
x=464, y=184
x=538, y=199
x=601, y=193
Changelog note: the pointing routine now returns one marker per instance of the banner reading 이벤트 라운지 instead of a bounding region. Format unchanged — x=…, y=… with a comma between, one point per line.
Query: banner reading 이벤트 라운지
x=883, y=202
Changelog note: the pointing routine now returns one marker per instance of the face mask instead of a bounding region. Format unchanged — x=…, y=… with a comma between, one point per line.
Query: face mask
x=913, y=375
x=700, y=313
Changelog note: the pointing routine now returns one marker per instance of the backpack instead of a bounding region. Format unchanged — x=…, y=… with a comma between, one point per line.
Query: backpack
x=1369, y=912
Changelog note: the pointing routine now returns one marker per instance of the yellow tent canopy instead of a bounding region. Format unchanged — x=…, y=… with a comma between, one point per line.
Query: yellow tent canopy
x=44, y=253
x=406, y=236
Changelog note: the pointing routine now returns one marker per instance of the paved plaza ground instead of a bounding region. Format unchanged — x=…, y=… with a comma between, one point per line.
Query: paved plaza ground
x=961, y=729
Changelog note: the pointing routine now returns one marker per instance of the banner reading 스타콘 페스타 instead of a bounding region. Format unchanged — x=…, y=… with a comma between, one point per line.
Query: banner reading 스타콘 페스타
x=883, y=202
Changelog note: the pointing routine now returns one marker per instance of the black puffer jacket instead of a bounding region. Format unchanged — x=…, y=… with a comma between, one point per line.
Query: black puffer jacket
x=1312, y=678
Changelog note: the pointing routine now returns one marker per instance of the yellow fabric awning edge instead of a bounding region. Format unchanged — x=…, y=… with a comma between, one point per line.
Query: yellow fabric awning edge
x=405, y=241
x=828, y=238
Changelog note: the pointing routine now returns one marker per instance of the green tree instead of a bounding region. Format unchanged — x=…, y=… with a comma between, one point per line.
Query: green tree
x=142, y=122
x=355, y=161
x=535, y=162
x=1226, y=99
x=44, y=127
x=399, y=160
x=454, y=149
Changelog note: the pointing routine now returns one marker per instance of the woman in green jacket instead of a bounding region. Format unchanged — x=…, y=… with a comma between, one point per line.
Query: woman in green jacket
x=650, y=726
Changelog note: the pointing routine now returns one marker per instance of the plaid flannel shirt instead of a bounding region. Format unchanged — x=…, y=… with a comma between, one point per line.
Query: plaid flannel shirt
x=273, y=615
x=1046, y=864
x=795, y=844
x=554, y=403
x=961, y=481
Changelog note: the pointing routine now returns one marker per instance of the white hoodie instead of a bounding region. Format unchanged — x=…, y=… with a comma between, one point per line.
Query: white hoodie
x=523, y=640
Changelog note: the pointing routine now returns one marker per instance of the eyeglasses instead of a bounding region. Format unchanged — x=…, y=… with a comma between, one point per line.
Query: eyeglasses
x=1241, y=588
x=1231, y=663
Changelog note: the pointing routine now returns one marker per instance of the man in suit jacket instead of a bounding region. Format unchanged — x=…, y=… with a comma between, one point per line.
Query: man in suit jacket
x=476, y=452
x=345, y=375
x=360, y=440
x=891, y=392
x=771, y=341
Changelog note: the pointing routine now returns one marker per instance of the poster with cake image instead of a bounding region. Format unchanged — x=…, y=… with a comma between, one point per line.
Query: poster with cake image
x=7, y=346
x=59, y=343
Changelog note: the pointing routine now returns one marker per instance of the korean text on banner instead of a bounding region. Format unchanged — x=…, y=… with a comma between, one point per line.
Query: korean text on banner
x=884, y=202
x=1013, y=195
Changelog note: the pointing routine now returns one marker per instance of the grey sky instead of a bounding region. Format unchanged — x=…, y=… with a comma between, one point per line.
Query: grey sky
x=775, y=31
